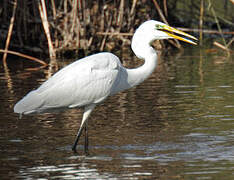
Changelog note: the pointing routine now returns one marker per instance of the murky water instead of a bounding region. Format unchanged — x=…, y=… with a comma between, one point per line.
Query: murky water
x=178, y=124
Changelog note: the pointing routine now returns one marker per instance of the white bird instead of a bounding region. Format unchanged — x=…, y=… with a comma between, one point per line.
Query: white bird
x=90, y=80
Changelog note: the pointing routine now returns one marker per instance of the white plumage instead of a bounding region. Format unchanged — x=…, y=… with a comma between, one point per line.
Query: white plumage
x=90, y=80
x=86, y=81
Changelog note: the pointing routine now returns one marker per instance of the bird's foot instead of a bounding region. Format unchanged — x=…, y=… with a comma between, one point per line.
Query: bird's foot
x=86, y=151
x=74, y=149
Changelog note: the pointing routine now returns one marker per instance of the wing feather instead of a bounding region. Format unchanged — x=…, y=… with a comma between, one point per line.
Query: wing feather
x=83, y=82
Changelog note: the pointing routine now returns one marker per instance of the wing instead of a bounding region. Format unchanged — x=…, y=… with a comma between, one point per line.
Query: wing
x=86, y=81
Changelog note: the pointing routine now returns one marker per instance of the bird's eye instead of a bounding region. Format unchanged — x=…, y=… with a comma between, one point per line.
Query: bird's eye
x=158, y=26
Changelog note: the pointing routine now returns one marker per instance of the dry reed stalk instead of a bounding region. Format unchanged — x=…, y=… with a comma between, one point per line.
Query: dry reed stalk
x=53, y=67
x=174, y=42
x=54, y=19
x=65, y=28
x=217, y=22
x=24, y=56
x=74, y=14
x=76, y=22
x=85, y=15
x=105, y=36
x=78, y=32
x=165, y=7
x=19, y=25
x=160, y=12
x=102, y=22
x=25, y=16
x=9, y=33
x=132, y=14
x=221, y=46
x=201, y=21
x=133, y=7
x=43, y=13
x=114, y=34
x=230, y=42
x=208, y=31
x=35, y=14
x=53, y=9
x=120, y=16
x=220, y=30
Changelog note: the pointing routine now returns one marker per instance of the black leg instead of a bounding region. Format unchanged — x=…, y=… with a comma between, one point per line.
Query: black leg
x=86, y=147
x=87, y=112
x=77, y=139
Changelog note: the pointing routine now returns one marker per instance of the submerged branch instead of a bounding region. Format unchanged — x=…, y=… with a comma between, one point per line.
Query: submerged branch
x=25, y=56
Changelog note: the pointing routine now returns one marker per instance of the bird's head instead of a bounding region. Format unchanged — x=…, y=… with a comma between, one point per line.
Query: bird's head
x=152, y=30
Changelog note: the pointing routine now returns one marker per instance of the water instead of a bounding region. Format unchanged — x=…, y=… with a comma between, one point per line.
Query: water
x=178, y=124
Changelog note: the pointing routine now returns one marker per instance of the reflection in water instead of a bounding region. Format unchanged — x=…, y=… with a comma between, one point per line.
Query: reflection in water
x=66, y=171
x=178, y=124
x=8, y=79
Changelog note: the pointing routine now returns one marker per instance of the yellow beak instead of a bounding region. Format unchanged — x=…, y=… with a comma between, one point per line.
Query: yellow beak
x=174, y=33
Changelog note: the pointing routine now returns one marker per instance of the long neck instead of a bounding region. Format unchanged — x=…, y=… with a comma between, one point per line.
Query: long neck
x=138, y=75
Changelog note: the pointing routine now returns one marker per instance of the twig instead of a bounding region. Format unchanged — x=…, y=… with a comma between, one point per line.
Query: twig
x=114, y=34
x=208, y=31
x=42, y=9
x=165, y=7
x=160, y=12
x=220, y=46
x=217, y=22
x=230, y=42
x=25, y=56
x=219, y=29
x=9, y=33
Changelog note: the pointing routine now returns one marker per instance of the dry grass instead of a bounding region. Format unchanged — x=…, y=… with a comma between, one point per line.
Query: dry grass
x=93, y=25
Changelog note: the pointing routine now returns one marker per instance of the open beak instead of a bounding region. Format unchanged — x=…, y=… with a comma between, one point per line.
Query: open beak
x=177, y=34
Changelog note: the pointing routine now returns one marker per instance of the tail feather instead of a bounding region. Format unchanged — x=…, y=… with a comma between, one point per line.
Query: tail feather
x=31, y=103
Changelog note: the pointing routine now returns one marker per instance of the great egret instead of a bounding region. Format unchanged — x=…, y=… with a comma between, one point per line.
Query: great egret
x=90, y=80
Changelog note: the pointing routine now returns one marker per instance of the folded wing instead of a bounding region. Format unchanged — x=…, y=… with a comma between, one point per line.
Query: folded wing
x=86, y=81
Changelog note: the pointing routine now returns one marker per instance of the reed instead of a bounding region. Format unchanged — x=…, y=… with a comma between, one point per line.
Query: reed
x=43, y=14
x=72, y=25
x=9, y=33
